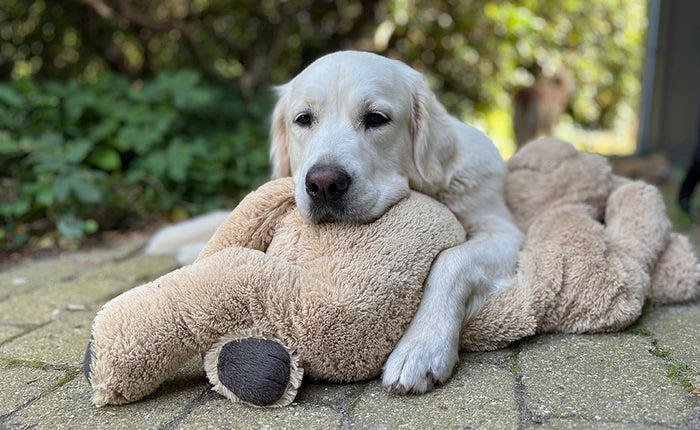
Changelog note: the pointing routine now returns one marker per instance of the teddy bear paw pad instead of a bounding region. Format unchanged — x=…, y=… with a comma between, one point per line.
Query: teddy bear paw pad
x=255, y=370
x=87, y=360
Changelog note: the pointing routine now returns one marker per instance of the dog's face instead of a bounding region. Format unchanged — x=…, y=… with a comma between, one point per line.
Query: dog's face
x=348, y=129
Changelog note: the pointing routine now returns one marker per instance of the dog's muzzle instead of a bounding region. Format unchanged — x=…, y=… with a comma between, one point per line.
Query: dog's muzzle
x=326, y=185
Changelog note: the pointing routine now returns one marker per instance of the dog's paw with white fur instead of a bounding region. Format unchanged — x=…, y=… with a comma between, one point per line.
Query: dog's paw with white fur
x=419, y=362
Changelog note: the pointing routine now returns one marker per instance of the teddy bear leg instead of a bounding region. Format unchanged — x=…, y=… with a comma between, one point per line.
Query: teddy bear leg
x=637, y=227
x=676, y=275
x=256, y=370
x=636, y=231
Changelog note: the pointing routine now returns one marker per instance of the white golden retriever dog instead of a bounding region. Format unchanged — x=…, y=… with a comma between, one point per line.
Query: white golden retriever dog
x=356, y=131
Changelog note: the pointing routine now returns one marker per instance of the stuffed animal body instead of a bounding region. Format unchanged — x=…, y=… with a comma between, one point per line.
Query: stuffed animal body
x=273, y=296
x=338, y=307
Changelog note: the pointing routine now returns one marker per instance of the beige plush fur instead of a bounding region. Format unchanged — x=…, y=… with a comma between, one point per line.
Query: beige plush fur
x=338, y=296
x=598, y=245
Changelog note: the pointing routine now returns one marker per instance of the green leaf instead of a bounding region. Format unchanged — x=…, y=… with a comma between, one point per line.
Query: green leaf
x=69, y=226
x=179, y=158
x=17, y=207
x=25, y=86
x=6, y=119
x=90, y=226
x=76, y=103
x=8, y=146
x=127, y=137
x=10, y=96
x=154, y=164
x=45, y=197
x=103, y=129
x=106, y=159
x=61, y=188
x=51, y=141
x=138, y=138
x=85, y=190
x=76, y=150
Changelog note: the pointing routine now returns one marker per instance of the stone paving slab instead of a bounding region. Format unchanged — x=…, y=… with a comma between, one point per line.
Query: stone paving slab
x=69, y=407
x=26, y=275
x=678, y=329
x=603, y=378
x=220, y=414
x=23, y=384
x=86, y=285
x=61, y=342
x=478, y=396
x=9, y=331
x=637, y=379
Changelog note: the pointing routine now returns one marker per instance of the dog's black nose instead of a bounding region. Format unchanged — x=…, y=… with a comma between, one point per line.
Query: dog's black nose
x=327, y=183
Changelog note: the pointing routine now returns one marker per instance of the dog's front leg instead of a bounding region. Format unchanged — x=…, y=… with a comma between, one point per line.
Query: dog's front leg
x=458, y=284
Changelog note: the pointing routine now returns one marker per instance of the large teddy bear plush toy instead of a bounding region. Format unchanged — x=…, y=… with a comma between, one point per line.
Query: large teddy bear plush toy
x=273, y=297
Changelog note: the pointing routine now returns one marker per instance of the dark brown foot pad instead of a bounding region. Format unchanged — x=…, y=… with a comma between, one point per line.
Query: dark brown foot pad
x=87, y=360
x=255, y=370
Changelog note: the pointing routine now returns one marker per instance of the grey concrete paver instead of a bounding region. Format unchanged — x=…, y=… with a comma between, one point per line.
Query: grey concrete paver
x=222, y=414
x=70, y=407
x=607, y=381
x=26, y=279
x=88, y=286
x=606, y=378
x=9, y=331
x=578, y=424
x=339, y=397
x=677, y=328
x=28, y=275
x=480, y=395
x=22, y=384
x=62, y=342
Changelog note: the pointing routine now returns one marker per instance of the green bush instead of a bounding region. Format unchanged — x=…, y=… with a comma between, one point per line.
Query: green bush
x=76, y=158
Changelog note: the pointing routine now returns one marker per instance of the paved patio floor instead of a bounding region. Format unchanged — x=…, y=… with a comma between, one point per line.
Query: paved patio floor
x=643, y=377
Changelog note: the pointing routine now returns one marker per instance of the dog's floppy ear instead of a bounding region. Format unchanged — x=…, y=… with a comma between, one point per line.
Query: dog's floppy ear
x=279, y=135
x=433, y=136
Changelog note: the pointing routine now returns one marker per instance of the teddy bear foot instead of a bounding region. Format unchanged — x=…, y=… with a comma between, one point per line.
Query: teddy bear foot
x=254, y=370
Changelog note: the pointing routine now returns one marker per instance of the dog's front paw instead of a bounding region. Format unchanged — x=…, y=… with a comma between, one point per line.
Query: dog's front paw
x=419, y=363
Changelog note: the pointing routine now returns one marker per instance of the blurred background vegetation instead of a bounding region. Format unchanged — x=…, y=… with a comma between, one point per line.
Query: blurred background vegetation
x=119, y=114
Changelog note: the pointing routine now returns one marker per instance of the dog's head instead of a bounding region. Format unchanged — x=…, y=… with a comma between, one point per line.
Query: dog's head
x=356, y=131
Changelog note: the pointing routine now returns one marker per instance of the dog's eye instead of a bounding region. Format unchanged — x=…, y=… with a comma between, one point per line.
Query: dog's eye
x=375, y=119
x=303, y=119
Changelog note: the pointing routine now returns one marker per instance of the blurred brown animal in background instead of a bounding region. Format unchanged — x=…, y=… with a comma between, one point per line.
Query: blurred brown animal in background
x=537, y=108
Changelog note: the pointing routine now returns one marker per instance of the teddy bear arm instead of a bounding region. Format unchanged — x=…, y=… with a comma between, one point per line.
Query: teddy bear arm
x=253, y=222
x=144, y=335
x=138, y=340
x=507, y=316
x=332, y=323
